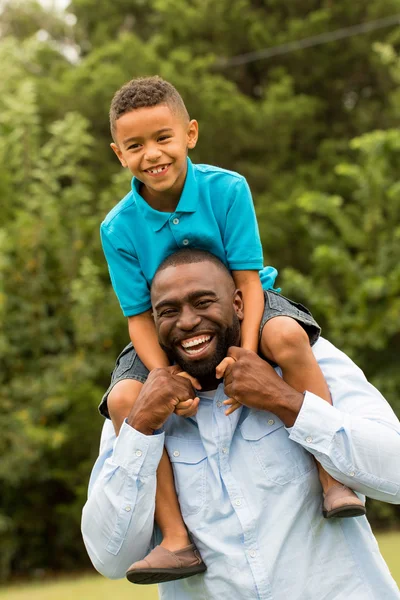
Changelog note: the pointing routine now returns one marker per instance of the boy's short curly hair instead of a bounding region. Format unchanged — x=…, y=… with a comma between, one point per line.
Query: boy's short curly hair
x=144, y=92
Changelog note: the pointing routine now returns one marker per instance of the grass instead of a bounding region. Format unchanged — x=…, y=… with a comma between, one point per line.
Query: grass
x=95, y=587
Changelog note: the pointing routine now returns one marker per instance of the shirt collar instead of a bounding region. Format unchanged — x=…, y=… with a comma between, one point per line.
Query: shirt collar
x=187, y=202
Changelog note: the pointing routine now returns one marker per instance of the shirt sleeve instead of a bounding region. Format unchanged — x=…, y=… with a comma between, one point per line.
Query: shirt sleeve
x=357, y=440
x=127, y=278
x=241, y=236
x=118, y=517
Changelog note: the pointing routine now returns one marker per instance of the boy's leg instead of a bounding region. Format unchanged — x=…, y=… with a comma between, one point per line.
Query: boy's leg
x=286, y=343
x=181, y=558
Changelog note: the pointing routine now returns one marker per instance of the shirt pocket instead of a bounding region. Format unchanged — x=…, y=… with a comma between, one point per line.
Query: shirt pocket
x=189, y=464
x=281, y=459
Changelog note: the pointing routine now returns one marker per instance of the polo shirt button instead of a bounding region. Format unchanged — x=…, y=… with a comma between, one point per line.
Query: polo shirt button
x=176, y=221
x=185, y=242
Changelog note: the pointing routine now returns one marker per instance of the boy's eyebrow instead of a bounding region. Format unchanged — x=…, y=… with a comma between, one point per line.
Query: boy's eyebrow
x=192, y=296
x=137, y=137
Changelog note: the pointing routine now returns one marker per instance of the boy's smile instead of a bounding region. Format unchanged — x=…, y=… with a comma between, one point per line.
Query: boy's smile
x=152, y=143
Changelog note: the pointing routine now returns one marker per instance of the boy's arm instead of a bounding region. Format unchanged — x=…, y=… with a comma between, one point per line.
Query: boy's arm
x=253, y=298
x=143, y=336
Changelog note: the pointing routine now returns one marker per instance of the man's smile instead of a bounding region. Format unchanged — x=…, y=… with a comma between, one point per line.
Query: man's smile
x=196, y=345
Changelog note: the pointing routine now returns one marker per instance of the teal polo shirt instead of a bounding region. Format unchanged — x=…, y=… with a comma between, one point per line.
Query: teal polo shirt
x=215, y=213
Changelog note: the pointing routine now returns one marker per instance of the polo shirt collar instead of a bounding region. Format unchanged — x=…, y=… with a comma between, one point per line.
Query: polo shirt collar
x=187, y=202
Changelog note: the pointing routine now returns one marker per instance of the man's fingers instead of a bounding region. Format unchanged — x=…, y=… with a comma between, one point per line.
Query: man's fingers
x=195, y=383
x=221, y=368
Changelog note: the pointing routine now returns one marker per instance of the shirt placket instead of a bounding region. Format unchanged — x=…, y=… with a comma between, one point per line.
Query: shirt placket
x=237, y=498
x=181, y=237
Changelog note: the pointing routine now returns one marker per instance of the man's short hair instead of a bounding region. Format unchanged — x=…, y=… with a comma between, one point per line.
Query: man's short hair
x=144, y=92
x=187, y=256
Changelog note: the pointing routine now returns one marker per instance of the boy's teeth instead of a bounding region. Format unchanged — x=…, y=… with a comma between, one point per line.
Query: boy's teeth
x=195, y=342
x=157, y=170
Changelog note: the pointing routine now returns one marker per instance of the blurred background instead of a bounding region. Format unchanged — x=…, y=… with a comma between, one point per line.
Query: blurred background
x=301, y=97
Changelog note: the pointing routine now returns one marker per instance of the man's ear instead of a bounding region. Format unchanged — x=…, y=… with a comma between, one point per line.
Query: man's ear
x=238, y=304
x=119, y=154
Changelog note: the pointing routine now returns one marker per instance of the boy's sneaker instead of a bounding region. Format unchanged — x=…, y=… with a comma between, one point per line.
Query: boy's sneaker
x=340, y=502
x=162, y=565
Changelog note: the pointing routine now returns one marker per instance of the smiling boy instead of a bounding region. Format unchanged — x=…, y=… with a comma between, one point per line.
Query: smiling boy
x=175, y=204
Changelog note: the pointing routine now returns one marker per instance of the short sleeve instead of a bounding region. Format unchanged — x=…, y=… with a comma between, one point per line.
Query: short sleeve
x=127, y=278
x=241, y=237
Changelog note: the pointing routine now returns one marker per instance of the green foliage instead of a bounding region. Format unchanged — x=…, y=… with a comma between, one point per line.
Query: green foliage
x=314, y=131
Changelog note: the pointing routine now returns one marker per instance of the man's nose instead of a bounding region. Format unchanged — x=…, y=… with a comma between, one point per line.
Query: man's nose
x=188, y=319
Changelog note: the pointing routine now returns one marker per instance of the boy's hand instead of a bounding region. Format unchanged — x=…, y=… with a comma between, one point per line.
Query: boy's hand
x=187, y=408
x=192, y=380
x=219, y=373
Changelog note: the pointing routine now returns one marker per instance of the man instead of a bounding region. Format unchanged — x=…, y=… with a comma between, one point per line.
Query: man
x=247, y=483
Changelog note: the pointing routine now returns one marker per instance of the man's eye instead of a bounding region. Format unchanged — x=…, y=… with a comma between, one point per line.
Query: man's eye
x=168, y=313
x=204, y=303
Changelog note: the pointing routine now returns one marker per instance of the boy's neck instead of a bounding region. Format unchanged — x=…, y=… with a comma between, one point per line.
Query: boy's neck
x=164, y=202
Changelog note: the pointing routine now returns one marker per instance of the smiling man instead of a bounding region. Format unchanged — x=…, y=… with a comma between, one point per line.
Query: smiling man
x=247, y=483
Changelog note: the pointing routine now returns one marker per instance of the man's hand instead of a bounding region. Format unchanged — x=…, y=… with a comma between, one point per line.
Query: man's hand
x=251, y=381
x=162, y=393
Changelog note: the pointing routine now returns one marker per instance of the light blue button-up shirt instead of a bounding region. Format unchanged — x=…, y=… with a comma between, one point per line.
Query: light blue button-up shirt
x=215, y=213
x=250, y=494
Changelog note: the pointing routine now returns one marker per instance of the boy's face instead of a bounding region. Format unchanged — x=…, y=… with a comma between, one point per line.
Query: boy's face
x=153, y=143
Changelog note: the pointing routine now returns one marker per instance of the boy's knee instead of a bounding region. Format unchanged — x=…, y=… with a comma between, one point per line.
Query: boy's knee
x=122, y=397
x=285, y=339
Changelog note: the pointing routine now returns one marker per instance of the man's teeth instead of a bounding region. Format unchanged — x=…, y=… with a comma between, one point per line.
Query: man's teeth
x=159, y=170
x=195, y=342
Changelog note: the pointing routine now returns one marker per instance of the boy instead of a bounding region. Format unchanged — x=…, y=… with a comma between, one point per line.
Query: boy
x=174, y=204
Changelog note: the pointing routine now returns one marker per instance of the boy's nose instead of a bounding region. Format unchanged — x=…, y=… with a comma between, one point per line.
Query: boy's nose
x=152, y=154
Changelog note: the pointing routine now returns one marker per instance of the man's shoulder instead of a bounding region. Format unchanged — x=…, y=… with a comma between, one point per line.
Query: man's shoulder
x=212, y=174
x=120, y=212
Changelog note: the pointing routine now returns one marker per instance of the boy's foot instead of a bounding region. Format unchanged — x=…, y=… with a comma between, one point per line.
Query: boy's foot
x=162, y=565
x=340, y=502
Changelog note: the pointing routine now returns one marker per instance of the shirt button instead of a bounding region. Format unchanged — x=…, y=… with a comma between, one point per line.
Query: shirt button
x=128, y=508
x=176, y=453
x=175, y=221
x=271, y=421
x=238, y=502
x=138, y=453
x=225, y=450
x=309, y=439
x=185, y=242
x=253, y=553
x=352, y=474
x=219, y=404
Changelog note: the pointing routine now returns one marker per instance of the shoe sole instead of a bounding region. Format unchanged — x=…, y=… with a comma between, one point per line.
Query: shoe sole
x=345, y=512
x=151, y=576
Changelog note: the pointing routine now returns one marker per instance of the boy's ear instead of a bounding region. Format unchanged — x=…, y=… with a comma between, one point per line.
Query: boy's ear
x=192, y=133
x=119, y=154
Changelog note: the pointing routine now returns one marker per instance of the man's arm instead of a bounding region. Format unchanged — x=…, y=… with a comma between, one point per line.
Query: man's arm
x=118, y=517
x=357, y=440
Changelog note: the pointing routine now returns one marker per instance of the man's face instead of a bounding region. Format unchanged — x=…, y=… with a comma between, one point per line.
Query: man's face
x=197, y=314
x=152, y=143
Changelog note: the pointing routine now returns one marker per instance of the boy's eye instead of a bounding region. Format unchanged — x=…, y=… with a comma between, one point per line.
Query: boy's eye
x=162, y=138
x=133, y=146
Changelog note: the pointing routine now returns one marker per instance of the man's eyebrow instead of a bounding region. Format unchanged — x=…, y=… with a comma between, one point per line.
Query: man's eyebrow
x=177, y=300
x=156, y=133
